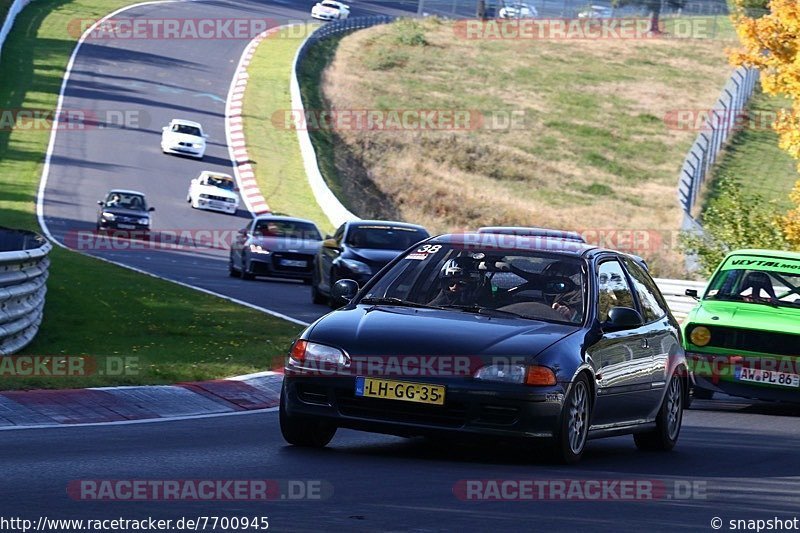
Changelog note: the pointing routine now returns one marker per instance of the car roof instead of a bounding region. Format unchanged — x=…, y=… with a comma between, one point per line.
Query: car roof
x=215, y=173
x=125, y=191
x=186, y=122
x=780, y=254
x=357, y=223
x=279, y=218
x=532, y=232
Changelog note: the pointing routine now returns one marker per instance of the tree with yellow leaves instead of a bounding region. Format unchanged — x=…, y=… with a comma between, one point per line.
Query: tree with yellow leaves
x=771, y=43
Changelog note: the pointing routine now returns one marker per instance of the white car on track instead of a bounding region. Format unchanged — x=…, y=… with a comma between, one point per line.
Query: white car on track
x=330, y=10
x=183, y=137
x=517, y=10
x=214, y=191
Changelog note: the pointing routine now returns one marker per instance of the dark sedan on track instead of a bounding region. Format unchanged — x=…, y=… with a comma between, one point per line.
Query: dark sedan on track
x=521, y=339
x=124, y=210
x=357, y=251
x=275, y=246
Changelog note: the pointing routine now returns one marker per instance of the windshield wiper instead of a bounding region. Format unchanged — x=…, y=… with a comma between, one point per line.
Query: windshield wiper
x=481, y=310
x=390, y=300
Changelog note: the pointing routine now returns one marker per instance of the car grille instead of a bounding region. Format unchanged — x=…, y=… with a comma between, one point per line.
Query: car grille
x=451, y=415
x=126, y=220
x=185, y=144
x=216, y=198
x=277, y=257
x=754, y=341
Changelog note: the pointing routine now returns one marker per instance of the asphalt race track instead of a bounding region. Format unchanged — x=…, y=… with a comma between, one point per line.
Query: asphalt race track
x=739, y=457
x=743, y=460
x=149, y=82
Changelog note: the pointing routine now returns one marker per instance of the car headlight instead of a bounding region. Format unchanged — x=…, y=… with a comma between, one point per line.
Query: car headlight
x=310, y=354
x=204, y=196
x=258, y=249
x=357, y=267
x=700, y=336
x=108, y=216
x=514, y=373
x=230, y=200
x=144, y=221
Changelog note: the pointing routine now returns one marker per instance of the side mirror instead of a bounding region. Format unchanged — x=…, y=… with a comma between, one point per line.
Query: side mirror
x=165, y=128
x=344, y=289
x=621, y=318
x=205, y=136
x=330, y=244
x=151, y=209
x=100, y=202
x=236, y=189
x=692, y=293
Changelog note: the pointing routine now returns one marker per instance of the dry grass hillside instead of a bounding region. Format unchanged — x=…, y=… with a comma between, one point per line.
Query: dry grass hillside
x=589, y=148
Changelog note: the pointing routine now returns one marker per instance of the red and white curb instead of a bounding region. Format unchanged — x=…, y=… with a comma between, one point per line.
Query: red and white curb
x=138, y=404
x=234, y=130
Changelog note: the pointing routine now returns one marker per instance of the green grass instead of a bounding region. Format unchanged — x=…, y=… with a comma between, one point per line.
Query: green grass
x=754, y=158
x=94, y=308
x=272, y=147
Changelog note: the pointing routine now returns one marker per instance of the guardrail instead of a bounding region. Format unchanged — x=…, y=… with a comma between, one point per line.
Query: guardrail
x=13, y=11
x=721, y=121
x=24, y=266
x=674, y=291
x=336, y=212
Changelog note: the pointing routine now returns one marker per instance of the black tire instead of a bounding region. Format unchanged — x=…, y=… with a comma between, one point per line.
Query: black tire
x=246, y=274
x=316, y=296
x=668, y=422
x=702, y=394
x=574, y=427
x=232, y=272
x=306, y=281
x=304, y=432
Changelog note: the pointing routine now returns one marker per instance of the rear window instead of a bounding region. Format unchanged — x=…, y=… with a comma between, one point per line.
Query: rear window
x=384, y=237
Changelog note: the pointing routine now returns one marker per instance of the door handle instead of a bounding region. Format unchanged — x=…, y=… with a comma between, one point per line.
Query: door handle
x=645, y=343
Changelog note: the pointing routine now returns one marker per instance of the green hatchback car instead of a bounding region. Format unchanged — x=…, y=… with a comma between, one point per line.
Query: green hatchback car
x=743, y=338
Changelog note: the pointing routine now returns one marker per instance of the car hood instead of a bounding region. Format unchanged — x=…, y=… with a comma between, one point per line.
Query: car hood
x=746, y=315
x=126, y=212
x=375, y=257
x=287, y=245
x=216, y=191
x=366, y=330
x=183, y=137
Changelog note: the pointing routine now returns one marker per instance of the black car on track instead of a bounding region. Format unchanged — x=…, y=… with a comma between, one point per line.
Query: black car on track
x=357, y=251
x=122, y=209
x=275, y=246
x=523, y=339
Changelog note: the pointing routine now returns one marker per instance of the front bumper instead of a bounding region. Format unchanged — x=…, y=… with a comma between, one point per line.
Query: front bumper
x=270, y=266
x=215, y=205
x=324, y=16
x=471, y=408
x=104, y=224
x=718, y=373
x=183, y=150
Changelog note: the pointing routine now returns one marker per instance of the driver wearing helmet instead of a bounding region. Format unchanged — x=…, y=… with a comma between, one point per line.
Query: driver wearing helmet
x=460, y=283
x=568, y=304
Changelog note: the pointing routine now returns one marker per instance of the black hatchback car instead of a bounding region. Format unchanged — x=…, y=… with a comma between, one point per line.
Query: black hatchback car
x=507, y=337
x=357, y=251
x=275, y=246
x=124, y=210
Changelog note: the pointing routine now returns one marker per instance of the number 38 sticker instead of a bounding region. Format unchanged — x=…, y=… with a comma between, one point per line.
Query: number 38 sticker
x=424, y=251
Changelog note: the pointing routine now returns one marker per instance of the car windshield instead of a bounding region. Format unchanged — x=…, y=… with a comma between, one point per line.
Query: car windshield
x=288, y=229
x=384, y=237
x=329, y=4
x=187, y=130
x=528, y=284
x=222, y=182
x=125, y=200
x=770, y=287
